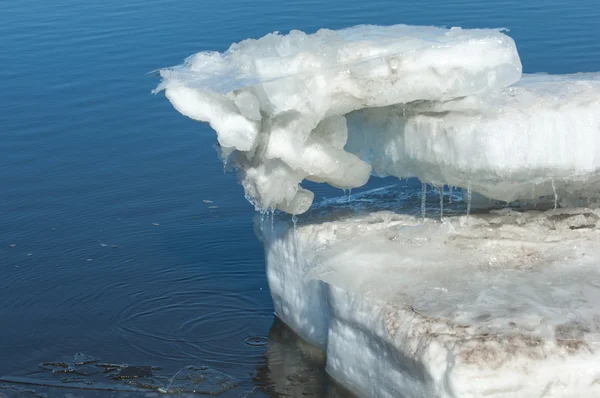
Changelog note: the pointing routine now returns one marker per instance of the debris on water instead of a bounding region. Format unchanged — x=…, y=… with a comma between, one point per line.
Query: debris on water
x=213, y=207
x=155, y=224
x=132, y=372
x=103, y=244
x=13, y=245
x=200, y=380
x=79, y=365
x=207, y=201
x=89, y=259
x=83, y=359
x=88, y=373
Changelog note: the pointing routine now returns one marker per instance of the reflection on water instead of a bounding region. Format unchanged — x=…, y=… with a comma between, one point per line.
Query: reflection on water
x=295, y=368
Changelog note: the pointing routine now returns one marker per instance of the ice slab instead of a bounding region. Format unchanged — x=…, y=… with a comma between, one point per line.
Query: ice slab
x=501, y=304
x=278, y=103
x=538, y=137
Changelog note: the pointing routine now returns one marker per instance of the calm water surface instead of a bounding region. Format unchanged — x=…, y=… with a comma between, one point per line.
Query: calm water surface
x=120, y=235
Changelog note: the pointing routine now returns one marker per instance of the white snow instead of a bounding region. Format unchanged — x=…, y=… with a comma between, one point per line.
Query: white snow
x=536, y=137
x=505, y=304
x=277, y=103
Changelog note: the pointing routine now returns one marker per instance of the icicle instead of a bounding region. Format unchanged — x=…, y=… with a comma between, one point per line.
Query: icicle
x=450, y=194
x=423, y=198
x=441, y=188
x=349, y=193
x=469, y=196
x=555, y=195
x=295, y=236
x=272, y=217
x=262, y=220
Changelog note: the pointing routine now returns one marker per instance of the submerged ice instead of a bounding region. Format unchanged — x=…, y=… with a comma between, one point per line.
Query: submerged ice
x=278, y=104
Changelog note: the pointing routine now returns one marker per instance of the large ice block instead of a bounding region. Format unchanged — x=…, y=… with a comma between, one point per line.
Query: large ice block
x=278, y=103
x=504, y=304
x=538, y=137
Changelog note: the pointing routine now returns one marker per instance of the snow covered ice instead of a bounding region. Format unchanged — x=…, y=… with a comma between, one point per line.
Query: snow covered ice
x=497, y=303
x=505, y=304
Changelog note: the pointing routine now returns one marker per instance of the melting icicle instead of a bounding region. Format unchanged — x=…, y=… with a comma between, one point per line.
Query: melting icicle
x=555, y=195
x=295, y=246
x=423, y=197
x=469, y=195
x=349, y=193
x=262, y=220
x=272, y=217
x=441, y=188
x=450, y=194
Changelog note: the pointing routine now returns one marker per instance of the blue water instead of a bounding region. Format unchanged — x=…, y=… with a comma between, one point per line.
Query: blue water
x=106, y=243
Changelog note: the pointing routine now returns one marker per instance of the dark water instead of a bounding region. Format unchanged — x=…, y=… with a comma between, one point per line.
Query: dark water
x=107, y=245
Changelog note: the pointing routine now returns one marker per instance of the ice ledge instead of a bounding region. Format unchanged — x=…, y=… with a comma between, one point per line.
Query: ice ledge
x=506, y=307
x=278, y=103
